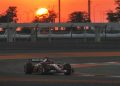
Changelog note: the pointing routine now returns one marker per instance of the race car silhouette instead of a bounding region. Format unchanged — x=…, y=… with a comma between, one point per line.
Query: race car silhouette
x=46, y=66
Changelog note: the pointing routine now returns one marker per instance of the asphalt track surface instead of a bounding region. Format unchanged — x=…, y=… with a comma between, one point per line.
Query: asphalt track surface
x=91, y=69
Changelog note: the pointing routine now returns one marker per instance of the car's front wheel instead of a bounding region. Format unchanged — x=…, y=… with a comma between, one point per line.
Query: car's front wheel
x=68, y=69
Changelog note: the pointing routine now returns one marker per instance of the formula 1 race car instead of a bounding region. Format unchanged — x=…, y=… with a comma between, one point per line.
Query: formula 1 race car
x=46, y=66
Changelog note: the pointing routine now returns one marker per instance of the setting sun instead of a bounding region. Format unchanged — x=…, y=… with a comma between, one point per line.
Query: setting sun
x=42, y=11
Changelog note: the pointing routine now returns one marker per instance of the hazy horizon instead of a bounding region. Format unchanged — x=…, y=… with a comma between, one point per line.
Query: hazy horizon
x=27, y=8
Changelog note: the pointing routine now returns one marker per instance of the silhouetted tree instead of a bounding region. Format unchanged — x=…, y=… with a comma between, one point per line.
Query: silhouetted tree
x=114, y=16
x=111, y=16
x=46, y=19
x=10, y=15
x=50, y=18
x=78, y=16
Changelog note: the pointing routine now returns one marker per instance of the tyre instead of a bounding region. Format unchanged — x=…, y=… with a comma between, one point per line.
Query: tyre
x=68, y=69
x=28, y=68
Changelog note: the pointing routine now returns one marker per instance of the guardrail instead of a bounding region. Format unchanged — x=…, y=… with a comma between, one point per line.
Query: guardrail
x=11, y=27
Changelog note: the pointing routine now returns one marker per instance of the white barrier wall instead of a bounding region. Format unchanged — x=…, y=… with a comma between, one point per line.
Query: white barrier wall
x=97, y=26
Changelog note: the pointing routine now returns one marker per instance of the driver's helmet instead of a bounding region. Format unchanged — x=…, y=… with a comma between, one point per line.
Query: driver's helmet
x=47, y=59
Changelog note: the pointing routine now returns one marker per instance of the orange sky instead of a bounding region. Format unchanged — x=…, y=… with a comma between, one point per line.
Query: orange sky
x=26, y=8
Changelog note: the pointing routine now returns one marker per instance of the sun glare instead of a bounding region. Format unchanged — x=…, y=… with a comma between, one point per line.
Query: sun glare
x=42, y=11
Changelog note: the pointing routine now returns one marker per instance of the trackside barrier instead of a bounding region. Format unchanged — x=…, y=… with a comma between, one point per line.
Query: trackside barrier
x=11, y=27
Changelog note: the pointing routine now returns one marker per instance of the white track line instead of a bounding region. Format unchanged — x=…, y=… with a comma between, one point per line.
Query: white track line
x=115, y=76
x=95, y=75
x=105, y=63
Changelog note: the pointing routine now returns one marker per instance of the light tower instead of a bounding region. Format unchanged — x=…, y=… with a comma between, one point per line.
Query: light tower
x=59, y=9
x=89, y=9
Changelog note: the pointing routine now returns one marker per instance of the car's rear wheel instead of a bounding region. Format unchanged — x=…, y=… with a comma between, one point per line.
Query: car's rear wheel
x=28, y=68
x=68, y=69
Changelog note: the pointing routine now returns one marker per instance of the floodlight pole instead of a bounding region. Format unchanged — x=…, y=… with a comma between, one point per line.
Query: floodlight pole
x=89, y=10
x=59, y=9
